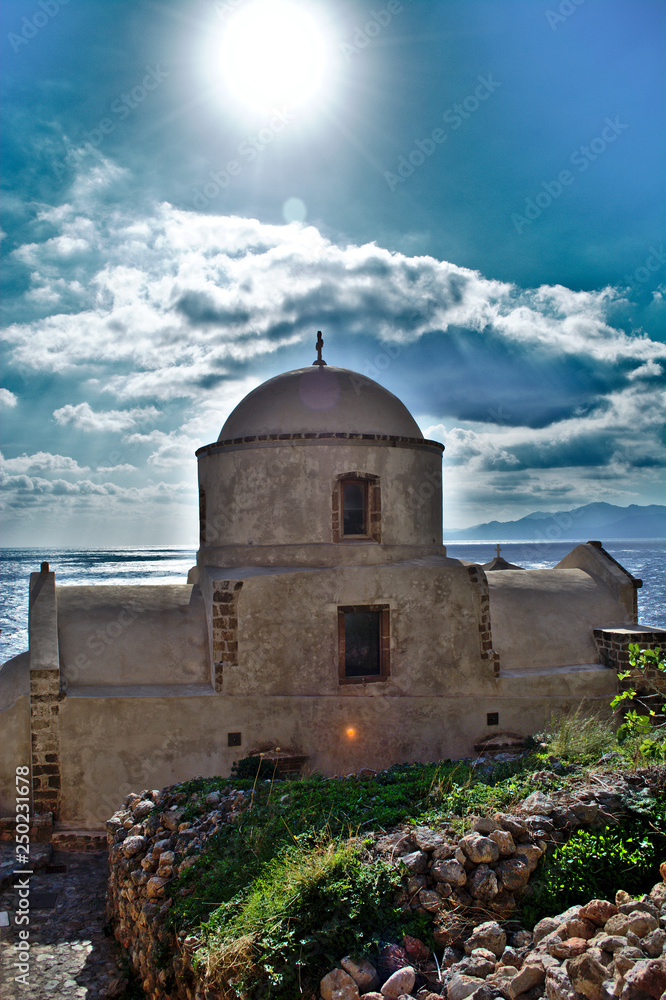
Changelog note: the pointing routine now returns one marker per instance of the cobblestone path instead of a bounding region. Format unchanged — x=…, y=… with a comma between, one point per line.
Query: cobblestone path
x=70, y=955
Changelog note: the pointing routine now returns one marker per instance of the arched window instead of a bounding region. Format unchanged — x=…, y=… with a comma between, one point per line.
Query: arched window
x=356, y=507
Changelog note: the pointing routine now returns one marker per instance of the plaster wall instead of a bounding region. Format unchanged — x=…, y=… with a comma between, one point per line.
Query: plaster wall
x=150, y=742
x=601, y=566
x=15, y=748
x=280, y=494
x=42, y=620
x=143, y=634
x=545, y=617
x=288, y=632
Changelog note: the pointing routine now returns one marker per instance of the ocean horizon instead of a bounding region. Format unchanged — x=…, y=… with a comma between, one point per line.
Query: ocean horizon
x=114, y=565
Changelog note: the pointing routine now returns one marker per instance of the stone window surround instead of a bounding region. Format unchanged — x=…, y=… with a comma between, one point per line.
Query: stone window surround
x=374, y=507
x=225, y=628
x=202, y=515
x=384, y=643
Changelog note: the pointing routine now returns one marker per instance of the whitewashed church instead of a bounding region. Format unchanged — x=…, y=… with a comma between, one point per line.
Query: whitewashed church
x=323, y=617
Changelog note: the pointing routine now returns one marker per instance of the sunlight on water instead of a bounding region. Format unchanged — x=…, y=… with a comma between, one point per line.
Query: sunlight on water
x=644, y=559
x=79, y=567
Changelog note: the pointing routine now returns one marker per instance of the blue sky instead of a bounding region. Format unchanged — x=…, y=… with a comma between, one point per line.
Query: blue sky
x=466, y=197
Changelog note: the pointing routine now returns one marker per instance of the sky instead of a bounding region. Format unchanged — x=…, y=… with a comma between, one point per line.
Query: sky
x=465, y=196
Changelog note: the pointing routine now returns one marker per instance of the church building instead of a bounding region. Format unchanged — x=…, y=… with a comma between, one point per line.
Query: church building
x=323, y=617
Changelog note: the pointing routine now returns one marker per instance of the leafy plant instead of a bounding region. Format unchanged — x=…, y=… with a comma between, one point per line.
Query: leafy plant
x=638, y=723
x=252, y=767
x=595, y=863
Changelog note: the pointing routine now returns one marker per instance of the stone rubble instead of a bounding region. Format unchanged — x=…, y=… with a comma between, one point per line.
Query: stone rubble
x=149, y=845
x=488, y=964
x=470, y=886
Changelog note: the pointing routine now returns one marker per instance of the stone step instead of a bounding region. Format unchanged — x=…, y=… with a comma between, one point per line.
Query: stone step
x=67, y=839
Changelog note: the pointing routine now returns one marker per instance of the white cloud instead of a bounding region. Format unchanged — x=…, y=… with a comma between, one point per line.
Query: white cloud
x=178, y=298
x=649, y=370
x=107, y=470
x=41, y=461
x=7, y=398
x=32, y=487
x=83, y=417
x=174, y=450
x=176, y=306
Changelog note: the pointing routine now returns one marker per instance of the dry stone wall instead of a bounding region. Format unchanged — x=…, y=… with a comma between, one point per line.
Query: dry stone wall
x=470, y=886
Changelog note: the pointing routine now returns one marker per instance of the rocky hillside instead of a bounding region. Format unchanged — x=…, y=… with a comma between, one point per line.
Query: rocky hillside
x=468, y=888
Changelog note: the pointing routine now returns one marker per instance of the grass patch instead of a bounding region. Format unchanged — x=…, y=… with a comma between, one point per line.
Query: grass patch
x=578, y=737
x=448, y=791
x=307, y=907
x=279, y=895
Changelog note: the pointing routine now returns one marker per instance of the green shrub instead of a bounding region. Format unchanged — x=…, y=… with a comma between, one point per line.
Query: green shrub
x=253, y=767
x=594, y=864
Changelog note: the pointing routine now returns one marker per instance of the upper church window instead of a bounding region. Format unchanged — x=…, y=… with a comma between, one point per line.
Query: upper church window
x=357, y=507
x=354, y=507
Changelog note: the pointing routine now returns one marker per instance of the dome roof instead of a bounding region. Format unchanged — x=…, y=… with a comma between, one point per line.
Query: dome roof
x=319, y=399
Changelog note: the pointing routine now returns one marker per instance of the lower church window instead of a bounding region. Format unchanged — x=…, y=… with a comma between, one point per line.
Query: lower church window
x=363, y=642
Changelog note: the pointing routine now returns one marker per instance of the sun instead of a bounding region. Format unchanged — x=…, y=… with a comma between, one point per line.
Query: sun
x=273, y=54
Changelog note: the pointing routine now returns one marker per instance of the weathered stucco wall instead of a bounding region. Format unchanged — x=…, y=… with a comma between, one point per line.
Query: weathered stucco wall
x=280, y=494
x=132, y=635
x=150, y=742
x=14, y=726
x=288, y=631
x=544, y=618
x=594, y=559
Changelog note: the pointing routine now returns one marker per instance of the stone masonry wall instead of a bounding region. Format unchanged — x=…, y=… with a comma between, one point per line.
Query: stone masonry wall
x=225, y=628
x=45, y=698
x=478, y=578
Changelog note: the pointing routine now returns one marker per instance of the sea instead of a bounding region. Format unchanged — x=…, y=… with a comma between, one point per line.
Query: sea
x=643, y=558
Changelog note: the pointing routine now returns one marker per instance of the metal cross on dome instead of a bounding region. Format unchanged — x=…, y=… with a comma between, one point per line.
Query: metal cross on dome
x=320, y=343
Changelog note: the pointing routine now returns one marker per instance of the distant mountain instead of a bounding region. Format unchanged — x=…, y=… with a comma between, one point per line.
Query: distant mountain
x=601, y=521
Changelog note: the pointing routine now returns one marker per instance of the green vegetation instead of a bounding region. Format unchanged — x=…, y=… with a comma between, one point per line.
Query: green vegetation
x=280, y=894
x=639, y=719
x=594, y=862
x=314, y=899
x=577, y=737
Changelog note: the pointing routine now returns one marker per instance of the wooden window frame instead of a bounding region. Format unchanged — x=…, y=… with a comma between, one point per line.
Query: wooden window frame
x=384, y=643
x=363, y=483
x=373, y=508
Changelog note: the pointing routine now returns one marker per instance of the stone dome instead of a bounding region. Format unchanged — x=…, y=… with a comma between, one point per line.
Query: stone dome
x=320, y=399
